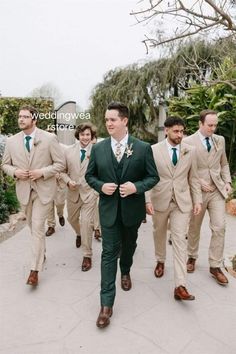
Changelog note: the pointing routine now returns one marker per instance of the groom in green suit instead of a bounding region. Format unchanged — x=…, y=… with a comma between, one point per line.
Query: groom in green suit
x=121, y=169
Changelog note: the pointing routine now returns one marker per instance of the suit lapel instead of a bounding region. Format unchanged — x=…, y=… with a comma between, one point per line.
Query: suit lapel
x=36, y=141
x=107, y=154
x=125, y=156
x=184, y=150
x=166, y=156
x=21, y=147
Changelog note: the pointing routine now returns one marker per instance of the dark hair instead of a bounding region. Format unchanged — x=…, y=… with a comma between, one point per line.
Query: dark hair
x=32, y=110
x=123, y=110
x=82, y=127
x=171, y=121
x=204, y=113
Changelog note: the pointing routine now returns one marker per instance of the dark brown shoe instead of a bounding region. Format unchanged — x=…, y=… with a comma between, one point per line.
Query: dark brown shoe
x=191, y=265
x=86, y=264
x=97, y=234
x=50, y=231
x=159, y=270
x=219, y=276
x=78, y=241
x=104, y=317
x=181, y=293
x=33, y=278
x=61, y=220
x=126, y=283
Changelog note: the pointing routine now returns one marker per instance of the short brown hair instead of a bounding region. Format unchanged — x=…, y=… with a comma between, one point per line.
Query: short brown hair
x=32, y=110
x=123, y=110
x=82, y=127
x=204, y=113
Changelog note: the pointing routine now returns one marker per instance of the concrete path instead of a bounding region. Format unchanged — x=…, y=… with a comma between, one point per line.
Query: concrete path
x=59, y=316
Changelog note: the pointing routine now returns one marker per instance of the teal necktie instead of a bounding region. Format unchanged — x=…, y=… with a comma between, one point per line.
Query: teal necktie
x=174, y=156
x=208, y=144
x=27, y=142
x=83, y=153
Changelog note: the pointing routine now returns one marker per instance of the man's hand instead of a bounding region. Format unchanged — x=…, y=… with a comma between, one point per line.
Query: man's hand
x=72, y=185
x=109, y=188
x=21, y=174
x=149, y=208
x=206, y=187
x=228, y=188
x=197, y=208
x=35, y=174
x=126, y=189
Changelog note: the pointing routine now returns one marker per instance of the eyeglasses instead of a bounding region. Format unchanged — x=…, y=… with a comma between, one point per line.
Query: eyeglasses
x=23, y=116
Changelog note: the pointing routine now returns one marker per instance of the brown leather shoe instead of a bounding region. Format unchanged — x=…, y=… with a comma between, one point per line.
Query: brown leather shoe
x=126, y=283
x=191, y=265
x=86, y=264
x=78, y=241
x=181, y=293
x=61, y=220
x=50, y=231
x=97, y=234
x=159, y=270
x=219, y=276
x=103, y=319
x=33, y=278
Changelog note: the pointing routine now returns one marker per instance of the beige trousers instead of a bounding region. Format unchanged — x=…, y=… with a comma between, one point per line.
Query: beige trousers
x=96, y=220
x=36, y=215
x=59, y=203
x=178, y=222
x=215, y=204
x=80, y=217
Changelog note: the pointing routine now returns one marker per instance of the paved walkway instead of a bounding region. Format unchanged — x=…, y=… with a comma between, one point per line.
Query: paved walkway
x=59, y=316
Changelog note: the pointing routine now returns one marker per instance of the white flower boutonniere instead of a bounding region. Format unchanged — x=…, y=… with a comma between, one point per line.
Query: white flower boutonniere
x=217, y=143
x=128, y=150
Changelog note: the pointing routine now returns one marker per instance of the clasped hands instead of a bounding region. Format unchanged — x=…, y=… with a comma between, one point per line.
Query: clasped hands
x=125, y=189
x=25, y=174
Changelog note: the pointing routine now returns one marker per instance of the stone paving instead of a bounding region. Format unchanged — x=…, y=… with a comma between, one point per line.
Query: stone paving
x=59, y=316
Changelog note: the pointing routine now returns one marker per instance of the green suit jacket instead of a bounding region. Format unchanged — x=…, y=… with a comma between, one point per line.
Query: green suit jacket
x=138, y=168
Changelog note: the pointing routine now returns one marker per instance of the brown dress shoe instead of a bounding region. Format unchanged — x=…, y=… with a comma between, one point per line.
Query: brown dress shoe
x=219, y=276
x=181, y=293
x=86, y=264
x=97, y=234
x=191, y=265
x=50, y=231
x=78, y=241
x=61, y=220
x=126, y=283
x=159, y=270
x=33, y=278
x=104, y=317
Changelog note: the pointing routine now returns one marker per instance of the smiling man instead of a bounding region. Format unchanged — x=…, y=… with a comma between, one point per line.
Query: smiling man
x=81, y=198
x=121, y=169
x=33, y=157
x=215, y=179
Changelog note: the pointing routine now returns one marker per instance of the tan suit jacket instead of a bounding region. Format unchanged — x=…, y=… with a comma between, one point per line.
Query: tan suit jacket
x=45, y=155
x=75, y=171
x=212, y=166
x=180, y=181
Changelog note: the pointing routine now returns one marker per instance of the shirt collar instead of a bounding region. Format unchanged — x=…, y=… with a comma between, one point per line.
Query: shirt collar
x=123, y=142
x=32, y=135
x=202, y=137
x=170, y=146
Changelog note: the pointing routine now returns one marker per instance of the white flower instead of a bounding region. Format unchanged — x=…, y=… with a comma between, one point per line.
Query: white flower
x=128, y=150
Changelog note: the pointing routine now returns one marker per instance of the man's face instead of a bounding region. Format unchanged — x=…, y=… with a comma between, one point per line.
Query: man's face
x=85, y=137
x=25, y=121
x=209, y=126
x=116, y=125
x=175, y=134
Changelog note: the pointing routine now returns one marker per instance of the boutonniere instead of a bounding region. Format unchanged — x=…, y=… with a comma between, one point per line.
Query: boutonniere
x=217, y=143
x=88, y=157
x=36, y=142
x=184, y=152
x=128, y=150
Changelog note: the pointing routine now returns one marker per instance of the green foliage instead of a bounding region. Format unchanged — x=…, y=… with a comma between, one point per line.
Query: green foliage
x=9, y=108
x=219, y=96
x=233, y=194
x=8, y=201
x=4, y=214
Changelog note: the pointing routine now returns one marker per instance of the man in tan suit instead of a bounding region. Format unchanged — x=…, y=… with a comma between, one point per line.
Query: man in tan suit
x=215, y=182
x=33, y=157
x=173, y=199
x=81, y=199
